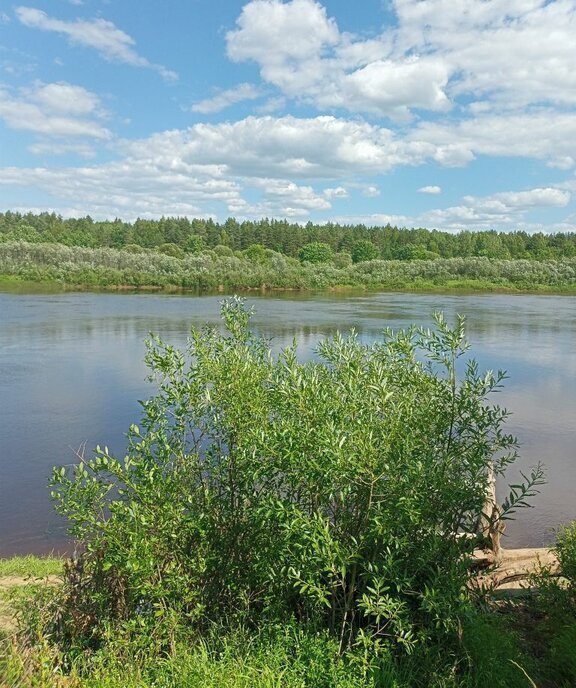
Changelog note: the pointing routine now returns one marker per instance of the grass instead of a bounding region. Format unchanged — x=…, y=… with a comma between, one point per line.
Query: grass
x=30, y=566
x=519, y=644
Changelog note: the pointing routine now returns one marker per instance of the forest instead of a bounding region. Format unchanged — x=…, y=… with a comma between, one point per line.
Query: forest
x=204, y=256
x=358, y=241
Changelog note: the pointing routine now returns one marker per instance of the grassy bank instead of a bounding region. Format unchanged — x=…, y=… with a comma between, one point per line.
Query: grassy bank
x=521, y=642
x=110, y=269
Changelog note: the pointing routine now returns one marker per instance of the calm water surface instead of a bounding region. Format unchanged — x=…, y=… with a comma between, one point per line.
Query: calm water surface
x=71, y=373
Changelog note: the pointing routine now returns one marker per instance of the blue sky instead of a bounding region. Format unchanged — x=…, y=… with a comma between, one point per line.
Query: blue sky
x=448, y=114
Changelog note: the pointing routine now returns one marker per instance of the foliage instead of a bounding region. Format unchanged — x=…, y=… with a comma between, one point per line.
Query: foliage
x=170, y=249
x=565, y=549
x=287, y=656
x=194, y=244
x=260, y=489
x=315, y=252
x=364, y=250
x=415, y=252
x=342, y=259
x=109, y=268
x=256, y=253
x=288, y=238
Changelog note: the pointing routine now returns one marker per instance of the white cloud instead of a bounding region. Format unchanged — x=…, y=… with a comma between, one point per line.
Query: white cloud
x=226, y=98
x=55, y=110
x=545, y=134
x=521, y=200
x=62, y=97
x=102, y=35
x=300, y=50
x=50, y=148
x=271, y=32
x=506, y=210
x=271, y=105
x=126, y=189
x=315, y=148
x=371, y=192
x=514, y=51
x=394, y=87
x=511, y=54
x=285, y=197
x=430, y=189
x=336, y=192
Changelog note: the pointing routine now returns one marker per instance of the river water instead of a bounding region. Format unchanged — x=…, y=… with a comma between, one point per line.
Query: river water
x=71, y=374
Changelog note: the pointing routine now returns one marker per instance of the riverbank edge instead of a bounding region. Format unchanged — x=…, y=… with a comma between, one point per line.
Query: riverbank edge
x=9, y=283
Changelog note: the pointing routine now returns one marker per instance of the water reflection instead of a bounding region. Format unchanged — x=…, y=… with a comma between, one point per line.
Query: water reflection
x=71, y=372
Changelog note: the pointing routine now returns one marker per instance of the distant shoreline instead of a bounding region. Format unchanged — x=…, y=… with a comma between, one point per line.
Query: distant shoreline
x=9, y=283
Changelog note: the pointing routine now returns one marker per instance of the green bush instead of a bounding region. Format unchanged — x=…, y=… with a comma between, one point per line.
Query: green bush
x=565, y=549
x=364, y=250
x=260, y=489
x=315, y=252
x=171, y=250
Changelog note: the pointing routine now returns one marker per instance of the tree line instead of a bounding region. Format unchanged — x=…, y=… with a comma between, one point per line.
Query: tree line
x=178, y=236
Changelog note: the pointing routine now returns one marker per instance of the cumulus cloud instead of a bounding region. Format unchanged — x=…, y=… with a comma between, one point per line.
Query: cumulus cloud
x=430, y=190
x=299, y=49
x=337, y=192
x=371, y=191
x=126, y=189
x=506, y=209
x=315, y=148
x=55, y=110
x=225, y=98
x=102, y=35
x=269, y=31
x=84, y=150
x=498, y=55
x=64, y=98
x=546, y=134
x=395, y=87
x=521, y=200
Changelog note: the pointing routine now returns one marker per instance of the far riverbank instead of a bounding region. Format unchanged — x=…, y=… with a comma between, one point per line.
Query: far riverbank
x=105, y=269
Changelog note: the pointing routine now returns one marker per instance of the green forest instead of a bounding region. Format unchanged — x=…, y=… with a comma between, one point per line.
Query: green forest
x=203, y=255
x=358, y=241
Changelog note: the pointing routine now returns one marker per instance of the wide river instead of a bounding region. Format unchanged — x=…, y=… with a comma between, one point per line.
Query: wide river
x=71, y=374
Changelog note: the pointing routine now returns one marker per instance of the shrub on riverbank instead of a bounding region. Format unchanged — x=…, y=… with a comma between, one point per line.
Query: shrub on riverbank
x=210, y=270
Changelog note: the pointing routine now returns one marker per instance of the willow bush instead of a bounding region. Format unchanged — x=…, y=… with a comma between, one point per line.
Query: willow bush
x=214, y=269
x=334, y=493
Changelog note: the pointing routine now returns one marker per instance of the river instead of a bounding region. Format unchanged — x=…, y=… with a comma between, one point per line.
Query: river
x=71, y=374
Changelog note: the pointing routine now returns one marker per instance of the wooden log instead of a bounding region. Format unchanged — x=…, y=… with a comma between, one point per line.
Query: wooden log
x=491, y=524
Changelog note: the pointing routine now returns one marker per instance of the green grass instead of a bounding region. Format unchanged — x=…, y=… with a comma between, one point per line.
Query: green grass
x=31, y=566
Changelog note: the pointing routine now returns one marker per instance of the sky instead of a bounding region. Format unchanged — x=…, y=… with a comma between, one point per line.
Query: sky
x=445, y=114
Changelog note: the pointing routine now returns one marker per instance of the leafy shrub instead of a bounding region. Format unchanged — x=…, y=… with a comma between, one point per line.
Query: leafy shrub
x=342, y=259
x=315, y=252
x=364, y=250
x=259, y=489
x=195, y=243
x=565, y=549
x=256, y=253
x=171, y=250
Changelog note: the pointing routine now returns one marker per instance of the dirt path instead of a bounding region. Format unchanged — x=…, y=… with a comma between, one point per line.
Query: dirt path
x=514, y=567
